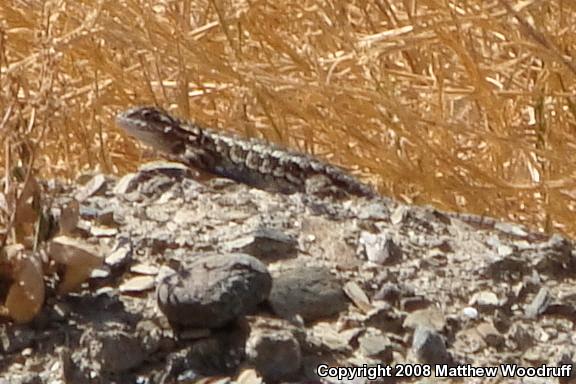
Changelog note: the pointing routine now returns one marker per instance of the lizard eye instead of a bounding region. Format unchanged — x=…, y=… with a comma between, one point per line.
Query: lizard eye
x=148, y=113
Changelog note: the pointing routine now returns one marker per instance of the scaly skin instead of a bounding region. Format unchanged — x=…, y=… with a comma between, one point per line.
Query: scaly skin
x=249, y=161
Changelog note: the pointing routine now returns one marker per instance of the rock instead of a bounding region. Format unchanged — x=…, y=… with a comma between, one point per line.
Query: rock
x=470, y=313
x=121, y=254
x=469, y=341
x=374, y=211
x=265, y=244
x=490, y=335
x=376, y=345
x=324, y=336
x=386, y=319
x=105, y=216
x=221, y=353
x=556, y=257
x=249, y=376
x=506, y=267
x=137, y=284
x=539, y=304
x=113, y=349
x=568, y=361
x=98, y=231
x=485, y=301
x=144, y=269
x=358, y=296
x=485, y=298
x=214, y=290
x=312, y=293
x=274, y=351
x=411, y=304
x=15, y=338
x=155, y=186
x=96, y=185
x=380, y=249
x=431, y=318
x=429, y=347
x=390, y=293
x=398, y=215
x=522, y=337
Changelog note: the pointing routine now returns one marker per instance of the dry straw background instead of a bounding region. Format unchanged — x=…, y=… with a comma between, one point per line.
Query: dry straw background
x=465, y=105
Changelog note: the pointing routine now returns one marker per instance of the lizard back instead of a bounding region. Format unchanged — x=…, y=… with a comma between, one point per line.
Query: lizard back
x=250, y=161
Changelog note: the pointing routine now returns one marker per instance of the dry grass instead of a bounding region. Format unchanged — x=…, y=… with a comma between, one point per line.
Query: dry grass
x=466, y=105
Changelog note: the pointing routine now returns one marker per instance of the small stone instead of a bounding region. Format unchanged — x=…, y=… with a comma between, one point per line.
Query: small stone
x=429, y=347
x=120, y=255
x=373, y=211
x=265, y=244
x=249, y=376
x=376, y=345
x=385, y=319
x=491, y=335
x=358, y=296
x=219, y=354
x=485, y=301
x=111, y=350
x=504, y=250
x=523, y=338
x=398, y=215
x=274, y=352
x=411, y=304
x=105, y=216
x=380, y=249
x=469, y=341
x=95, y=185
x=98, y=231
x=389, y=292
x=431, y=318
x=137, y=284
x=100, y=273
x=539, y=304
x=470, y=312
x=144, y=269
x=324, y=335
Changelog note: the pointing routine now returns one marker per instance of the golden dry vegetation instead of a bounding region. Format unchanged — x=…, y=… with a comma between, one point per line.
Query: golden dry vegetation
x=467, y=105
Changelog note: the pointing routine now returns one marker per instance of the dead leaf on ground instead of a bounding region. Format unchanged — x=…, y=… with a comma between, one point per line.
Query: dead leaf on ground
x=26, y=294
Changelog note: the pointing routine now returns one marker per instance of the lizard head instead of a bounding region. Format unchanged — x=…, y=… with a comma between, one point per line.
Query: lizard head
x=151, y=125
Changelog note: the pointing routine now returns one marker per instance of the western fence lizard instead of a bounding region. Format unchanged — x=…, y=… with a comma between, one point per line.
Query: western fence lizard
x=253, y=162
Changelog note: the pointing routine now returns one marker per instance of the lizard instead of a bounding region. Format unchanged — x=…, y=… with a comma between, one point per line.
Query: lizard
x=250, y=161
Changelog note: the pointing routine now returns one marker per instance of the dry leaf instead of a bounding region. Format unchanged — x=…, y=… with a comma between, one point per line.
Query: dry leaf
x=26, y=294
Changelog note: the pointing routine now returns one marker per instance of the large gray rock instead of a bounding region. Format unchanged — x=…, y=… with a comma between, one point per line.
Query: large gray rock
x=214, y=290
x=311, y=292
